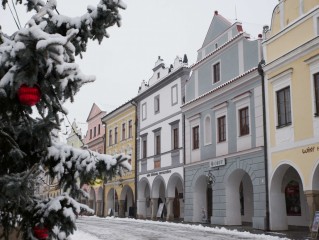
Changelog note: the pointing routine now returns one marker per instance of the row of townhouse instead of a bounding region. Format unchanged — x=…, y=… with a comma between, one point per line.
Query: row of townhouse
x=230, y=140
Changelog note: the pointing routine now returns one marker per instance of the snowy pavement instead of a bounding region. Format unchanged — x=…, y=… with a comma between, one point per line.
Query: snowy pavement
x=95, y=228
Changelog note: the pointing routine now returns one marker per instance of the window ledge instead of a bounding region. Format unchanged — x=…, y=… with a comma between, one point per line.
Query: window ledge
x=283, y=125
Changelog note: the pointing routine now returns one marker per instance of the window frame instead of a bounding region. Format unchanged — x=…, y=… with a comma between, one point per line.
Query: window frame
x=221, y=129
x=216, y=72
x=244, y=131
x=115, y=135
x=287, y=107
x=110, y=137
x=195, y=137
x=156, y=104
x=130, y=129
x=123, y=131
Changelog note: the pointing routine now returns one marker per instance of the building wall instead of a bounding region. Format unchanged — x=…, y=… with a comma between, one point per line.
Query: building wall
x=292, y=60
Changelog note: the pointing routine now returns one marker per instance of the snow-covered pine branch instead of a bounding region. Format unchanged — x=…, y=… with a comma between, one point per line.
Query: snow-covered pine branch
x=42, y=55
x=69, y=164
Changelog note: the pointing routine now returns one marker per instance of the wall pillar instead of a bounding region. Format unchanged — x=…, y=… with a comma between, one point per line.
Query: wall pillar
x=141, y=208
x=312, y=197
x=121, y=208
x=170, y=205
x=154, y=207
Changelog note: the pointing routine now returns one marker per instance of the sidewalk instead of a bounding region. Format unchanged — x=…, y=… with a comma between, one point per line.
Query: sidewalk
x=295, y=233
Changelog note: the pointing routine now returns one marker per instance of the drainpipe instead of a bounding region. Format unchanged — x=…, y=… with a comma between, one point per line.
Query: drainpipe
x=103, y=196
x=135, y=178
x=262, y=75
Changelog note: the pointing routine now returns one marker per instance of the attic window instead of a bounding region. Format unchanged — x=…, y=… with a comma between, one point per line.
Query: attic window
x=216, y=45
x=158, y=75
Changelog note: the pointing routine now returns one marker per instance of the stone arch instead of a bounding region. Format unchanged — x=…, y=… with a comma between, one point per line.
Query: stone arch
x=158, y=187
x=279, y=212
x=144, y=198
x=315, y=178
x=239, y=194
x=112, y=202
x=99, y=202
x=92, y=199
x=175, y=196
x=175, y=180
x=126, y=202
x=202, y=196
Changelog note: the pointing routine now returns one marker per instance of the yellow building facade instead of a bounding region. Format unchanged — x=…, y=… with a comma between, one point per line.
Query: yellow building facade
x=291, y=53
x=119, y=192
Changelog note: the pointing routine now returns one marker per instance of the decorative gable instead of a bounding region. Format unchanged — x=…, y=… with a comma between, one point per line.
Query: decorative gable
x=95, y=110
x=218, y=25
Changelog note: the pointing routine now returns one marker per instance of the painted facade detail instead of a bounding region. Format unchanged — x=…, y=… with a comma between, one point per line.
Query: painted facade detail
x=160, y=176
x=119, y=192
x=94, y=140
x=291, y=74
x=224, y=144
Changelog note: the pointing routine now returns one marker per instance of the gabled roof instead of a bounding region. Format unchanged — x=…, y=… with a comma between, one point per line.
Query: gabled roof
x=218, y=25
x=95, y=110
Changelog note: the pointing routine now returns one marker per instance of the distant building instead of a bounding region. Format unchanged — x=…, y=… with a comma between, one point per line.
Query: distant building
x=75, y=138
x=95, y=140
x=119, y=192
x=160, y=158
x=224, y=146
x=291, y=50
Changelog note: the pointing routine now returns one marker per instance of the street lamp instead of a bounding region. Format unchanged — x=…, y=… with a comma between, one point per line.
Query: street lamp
x=210, y=178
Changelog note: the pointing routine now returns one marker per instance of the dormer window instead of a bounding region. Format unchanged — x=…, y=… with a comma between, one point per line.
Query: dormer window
x=216, y=45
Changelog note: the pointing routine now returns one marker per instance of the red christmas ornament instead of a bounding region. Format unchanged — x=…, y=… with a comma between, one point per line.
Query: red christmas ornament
x=41, y=233
x=29, y=95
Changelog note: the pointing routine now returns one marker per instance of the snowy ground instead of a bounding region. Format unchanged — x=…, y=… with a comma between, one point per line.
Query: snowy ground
x=94, y=228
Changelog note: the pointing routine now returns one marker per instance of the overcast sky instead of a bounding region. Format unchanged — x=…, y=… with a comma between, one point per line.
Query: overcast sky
x=150, y=28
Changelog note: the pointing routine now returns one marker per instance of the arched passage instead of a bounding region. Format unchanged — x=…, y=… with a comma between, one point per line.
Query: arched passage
x=92, y=200
x=175, y=194
x=158, y=197
x=144, y=199
x=126, y=202
x=203, y=201
x=99, y=202
x=112, y=202
x=287, y=200
x=240, y=198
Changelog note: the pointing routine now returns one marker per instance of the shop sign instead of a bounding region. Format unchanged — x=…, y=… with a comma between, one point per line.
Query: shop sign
x=310, y=149
x=158, y=173
x=218, y=162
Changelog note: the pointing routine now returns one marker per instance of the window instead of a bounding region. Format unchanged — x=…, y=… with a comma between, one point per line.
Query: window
x=144, y=148
x=174, y=95
x=175, y=138
x=115, y=135
x=157, y=144
x=196, y=137
x=216, y=72
x=90, y=133
x=243, y=121
x=94, y=131
x=130, y=129
x=283, y=107
x=157, y=104
x=123, y=131
x=157, y=164
x=144, y=113
x=99, y=129
x=221, y=126
x=158, y=75
x=316, y=86
x=110, y=138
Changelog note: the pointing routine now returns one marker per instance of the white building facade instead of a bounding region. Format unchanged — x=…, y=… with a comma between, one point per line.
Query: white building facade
x=160, y=174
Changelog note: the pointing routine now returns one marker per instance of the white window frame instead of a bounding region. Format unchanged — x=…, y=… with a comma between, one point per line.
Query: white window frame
x=144, y=111
x=220, y=71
